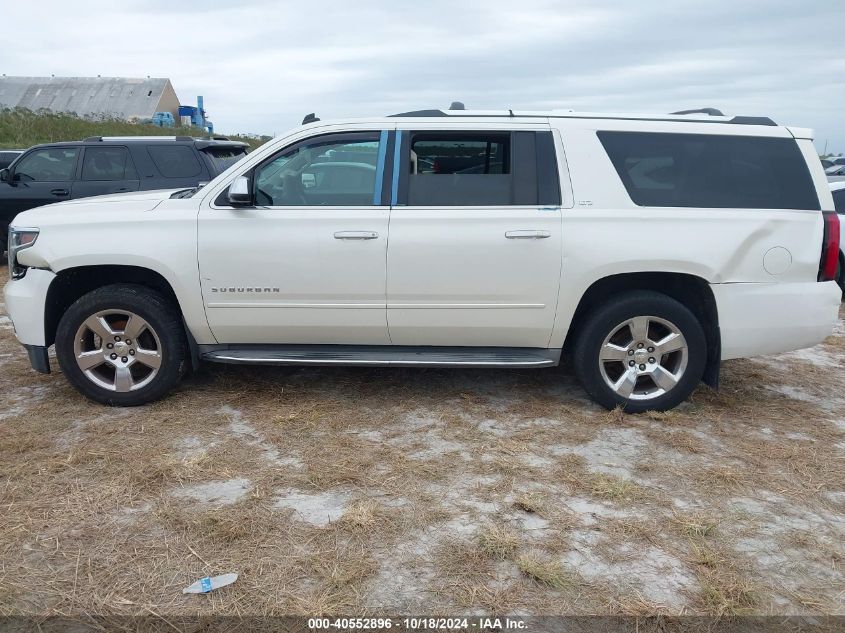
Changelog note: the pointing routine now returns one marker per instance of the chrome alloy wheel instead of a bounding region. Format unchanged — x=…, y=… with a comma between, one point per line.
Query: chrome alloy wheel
x=118, y=350
x=643, y=358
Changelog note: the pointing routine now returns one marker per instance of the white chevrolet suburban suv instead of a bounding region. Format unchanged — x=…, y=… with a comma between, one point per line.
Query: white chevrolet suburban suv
x=643, y=250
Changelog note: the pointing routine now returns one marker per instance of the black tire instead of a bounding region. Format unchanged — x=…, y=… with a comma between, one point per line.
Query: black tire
x=161, y=316
x=840, y=276
x=601, y=322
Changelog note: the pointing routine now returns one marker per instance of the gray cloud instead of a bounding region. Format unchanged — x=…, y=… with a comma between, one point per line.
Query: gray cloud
x=262, y=65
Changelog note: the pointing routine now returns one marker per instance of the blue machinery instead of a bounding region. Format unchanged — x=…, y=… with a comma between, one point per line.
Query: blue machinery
x=196, y=114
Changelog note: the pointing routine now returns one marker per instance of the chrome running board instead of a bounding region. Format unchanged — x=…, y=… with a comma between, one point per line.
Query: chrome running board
x=380, y=355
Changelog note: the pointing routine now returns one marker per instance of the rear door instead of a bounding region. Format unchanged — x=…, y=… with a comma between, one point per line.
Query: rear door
x=106, y=169
x=42, y=176
x=474, y=255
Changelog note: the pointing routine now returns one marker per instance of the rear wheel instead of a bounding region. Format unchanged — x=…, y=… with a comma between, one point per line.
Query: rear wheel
x=643, y=351
x=122, y=345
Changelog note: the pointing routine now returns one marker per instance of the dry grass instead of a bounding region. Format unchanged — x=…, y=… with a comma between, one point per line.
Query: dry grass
x=533, y=503
x=694, y=525
x=727, y=595
x=614, y=488
x=449, y=491
x=545, y=571
x=499, y=542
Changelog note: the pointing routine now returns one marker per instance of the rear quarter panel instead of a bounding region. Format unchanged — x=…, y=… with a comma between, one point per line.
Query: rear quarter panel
x=606, y=234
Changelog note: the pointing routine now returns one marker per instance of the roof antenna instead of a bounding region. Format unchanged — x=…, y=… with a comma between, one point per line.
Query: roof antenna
x=309, y=118
x=510, y=111
x=457, y=105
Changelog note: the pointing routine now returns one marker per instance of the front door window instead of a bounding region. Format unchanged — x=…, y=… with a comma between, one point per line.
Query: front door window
x=331, y=170
x=50, y=164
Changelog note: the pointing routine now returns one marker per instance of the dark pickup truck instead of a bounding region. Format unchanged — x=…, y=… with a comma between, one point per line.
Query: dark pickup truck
x=106, y=165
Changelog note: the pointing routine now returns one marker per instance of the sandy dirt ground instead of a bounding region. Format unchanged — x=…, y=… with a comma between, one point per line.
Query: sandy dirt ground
x=361, y=491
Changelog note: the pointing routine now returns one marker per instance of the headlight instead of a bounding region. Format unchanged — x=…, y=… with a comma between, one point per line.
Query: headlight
x=19, y=239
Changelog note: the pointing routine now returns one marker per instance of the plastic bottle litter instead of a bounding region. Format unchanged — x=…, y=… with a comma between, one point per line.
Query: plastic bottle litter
x=210, y=583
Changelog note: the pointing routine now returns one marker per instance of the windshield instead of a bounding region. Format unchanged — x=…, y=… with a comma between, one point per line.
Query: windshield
x=224, y=157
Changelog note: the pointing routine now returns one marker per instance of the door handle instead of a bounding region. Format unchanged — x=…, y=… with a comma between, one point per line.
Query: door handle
x=59, y=192
x=527, y=235
x=355, y=235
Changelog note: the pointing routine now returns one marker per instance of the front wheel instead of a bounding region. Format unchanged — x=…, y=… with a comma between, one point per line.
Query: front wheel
x=122, y=345
x=642, y=351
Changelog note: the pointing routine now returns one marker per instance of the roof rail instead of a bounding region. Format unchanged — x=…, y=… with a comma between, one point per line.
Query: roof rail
x=421, y=113
x=710, y=111
x=95, y=139
x=736, y=120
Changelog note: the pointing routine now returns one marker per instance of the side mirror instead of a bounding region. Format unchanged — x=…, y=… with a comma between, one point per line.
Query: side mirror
x=5, y=175
x=239, y=193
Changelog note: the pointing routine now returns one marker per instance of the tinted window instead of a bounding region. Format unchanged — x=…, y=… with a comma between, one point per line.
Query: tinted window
x=47, y=165
x=455, y=169
x=7, y=158
x=224, y=157
x=107, y=163
x=338, y=170
x=696, y=170
x=175, y=161
x=839, y=200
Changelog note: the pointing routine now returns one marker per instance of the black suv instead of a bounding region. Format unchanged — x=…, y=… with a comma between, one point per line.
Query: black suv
x=105, y=165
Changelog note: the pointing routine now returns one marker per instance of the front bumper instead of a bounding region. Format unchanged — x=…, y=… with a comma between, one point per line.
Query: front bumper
x=769, y=318
x=25, y=302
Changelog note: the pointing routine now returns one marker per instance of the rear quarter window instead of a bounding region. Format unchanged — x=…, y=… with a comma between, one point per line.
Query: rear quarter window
x=839, y=200
x=175, y=161
x=224, y=157
x=711, y=171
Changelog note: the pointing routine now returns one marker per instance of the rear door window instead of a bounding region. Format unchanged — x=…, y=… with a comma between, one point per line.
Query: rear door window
x=711, y=171
x=469, y=168
x=175, y=161
x=107, y=163
x=50, y=164
x=460, y=169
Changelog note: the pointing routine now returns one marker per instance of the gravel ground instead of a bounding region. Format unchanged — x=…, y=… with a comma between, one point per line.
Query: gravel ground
x=360, y=491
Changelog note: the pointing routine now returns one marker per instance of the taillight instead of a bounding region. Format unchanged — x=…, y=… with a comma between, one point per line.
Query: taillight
x=830, y=247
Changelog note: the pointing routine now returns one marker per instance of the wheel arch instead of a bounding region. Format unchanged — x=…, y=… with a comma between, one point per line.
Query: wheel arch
x=690, y=290
x=72, y=283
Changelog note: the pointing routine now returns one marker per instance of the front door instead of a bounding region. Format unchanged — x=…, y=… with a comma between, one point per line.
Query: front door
x=42, y=176
x=475, y=239
x=306, y=264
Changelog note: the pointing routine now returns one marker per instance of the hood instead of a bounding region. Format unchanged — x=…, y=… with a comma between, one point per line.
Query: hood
x=123, y=204
x=134, y=196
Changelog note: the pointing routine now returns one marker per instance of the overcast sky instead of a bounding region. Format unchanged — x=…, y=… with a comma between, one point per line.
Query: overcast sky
x=263, y=64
